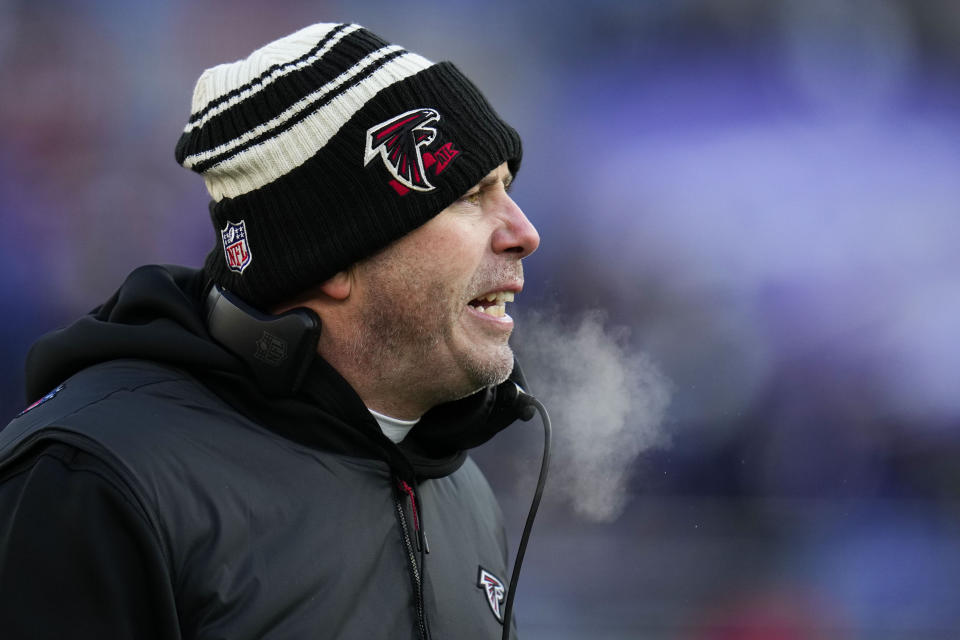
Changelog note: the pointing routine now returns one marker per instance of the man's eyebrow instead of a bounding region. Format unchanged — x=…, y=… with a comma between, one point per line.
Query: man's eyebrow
x=491, y=180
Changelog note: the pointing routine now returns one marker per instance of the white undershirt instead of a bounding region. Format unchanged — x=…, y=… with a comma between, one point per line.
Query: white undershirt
x=394, y=428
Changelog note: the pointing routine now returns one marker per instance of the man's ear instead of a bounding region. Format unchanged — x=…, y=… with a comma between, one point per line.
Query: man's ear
x=339, y=286
x=337, y=289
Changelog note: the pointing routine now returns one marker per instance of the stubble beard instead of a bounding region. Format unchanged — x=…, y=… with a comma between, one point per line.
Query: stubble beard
x=400, y=334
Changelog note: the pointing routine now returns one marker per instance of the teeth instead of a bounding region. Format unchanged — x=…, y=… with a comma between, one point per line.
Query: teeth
x=497, y=300
x=499, y=297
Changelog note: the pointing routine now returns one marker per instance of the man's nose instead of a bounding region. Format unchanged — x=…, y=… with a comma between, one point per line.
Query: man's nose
x=516, y=235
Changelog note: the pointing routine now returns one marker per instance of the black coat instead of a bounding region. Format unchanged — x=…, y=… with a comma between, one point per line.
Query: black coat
x=160, y=494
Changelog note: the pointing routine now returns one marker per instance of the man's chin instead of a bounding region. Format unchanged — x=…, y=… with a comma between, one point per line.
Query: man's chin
x=491, y=372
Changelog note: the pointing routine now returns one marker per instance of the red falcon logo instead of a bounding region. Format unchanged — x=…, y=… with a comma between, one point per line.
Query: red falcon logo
x=399, y=140
x=494, y=590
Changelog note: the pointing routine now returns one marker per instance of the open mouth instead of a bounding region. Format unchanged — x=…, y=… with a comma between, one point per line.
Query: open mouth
x=493, y=304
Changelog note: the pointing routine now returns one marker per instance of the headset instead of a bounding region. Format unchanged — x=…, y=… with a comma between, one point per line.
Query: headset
x=277, y=348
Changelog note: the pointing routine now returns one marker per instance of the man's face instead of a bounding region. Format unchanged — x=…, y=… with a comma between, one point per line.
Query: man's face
x=432, y=303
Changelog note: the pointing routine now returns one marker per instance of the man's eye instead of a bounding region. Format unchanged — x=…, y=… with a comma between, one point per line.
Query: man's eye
x=472, y=198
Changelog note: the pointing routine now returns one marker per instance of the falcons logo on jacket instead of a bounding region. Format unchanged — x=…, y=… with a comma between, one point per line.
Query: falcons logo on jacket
x=399, y=141
x=494, y=590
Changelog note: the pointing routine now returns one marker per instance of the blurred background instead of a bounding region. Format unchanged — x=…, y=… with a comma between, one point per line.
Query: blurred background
x=749, y=270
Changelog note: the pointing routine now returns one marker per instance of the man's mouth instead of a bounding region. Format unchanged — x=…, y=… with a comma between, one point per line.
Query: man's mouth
x=493, y=304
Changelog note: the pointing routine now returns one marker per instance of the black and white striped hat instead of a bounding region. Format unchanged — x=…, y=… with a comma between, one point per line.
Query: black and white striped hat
x=323, y=147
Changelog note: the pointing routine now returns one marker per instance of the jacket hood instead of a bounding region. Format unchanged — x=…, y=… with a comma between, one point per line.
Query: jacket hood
x=157, y=315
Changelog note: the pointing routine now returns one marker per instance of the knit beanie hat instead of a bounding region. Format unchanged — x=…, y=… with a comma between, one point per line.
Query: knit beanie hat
x=326, y=145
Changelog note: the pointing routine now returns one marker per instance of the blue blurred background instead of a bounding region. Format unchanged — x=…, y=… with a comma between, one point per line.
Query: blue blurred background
x=762, y=194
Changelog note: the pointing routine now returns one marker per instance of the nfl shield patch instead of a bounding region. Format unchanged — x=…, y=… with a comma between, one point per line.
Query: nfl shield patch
x=236, y=248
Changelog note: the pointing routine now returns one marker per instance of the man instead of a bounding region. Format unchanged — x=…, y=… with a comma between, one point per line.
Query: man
x=274, y=446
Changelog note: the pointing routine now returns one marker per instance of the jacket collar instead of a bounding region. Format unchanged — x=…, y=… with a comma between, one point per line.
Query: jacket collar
x=326, y=413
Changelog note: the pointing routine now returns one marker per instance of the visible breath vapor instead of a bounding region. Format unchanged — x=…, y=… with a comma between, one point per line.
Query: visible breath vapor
x=606, y=402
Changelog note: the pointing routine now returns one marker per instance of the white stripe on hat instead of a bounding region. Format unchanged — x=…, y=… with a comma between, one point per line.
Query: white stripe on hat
x=236, y=74
x=220, y=80
x=292, y=111
x=263, y=163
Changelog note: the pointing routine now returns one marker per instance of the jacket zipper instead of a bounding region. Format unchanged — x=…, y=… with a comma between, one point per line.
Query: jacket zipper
x=411, y=554
x=422, y=545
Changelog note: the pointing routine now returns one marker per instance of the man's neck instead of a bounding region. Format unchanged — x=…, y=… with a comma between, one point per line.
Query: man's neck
x=380, y=386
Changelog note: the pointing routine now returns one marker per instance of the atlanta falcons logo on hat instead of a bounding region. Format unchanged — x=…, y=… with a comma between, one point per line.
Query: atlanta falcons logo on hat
x=399, y=140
